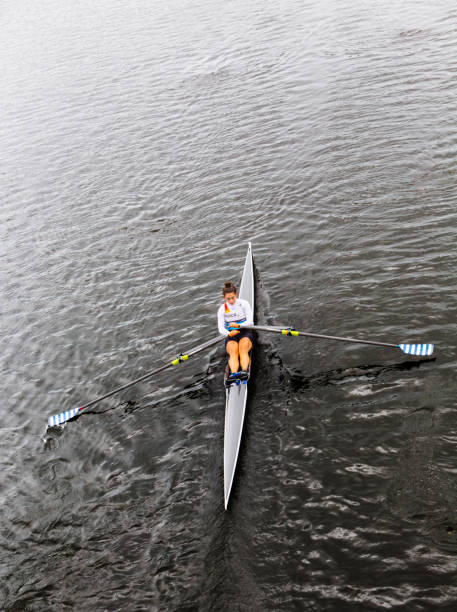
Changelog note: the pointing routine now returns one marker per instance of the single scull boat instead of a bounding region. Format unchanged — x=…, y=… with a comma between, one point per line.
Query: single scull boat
x=236, y=394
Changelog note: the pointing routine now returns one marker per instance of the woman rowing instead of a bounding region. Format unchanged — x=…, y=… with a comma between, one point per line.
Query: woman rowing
x=231, y=316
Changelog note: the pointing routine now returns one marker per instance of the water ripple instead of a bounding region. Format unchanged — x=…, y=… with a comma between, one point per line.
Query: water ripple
x=141, y=149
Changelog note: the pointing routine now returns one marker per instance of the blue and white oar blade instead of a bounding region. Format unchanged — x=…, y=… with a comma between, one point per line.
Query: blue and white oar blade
x=420, y=350
x=63, y=417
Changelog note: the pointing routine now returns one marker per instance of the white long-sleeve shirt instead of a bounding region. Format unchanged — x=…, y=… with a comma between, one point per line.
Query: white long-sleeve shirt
x=240, y=312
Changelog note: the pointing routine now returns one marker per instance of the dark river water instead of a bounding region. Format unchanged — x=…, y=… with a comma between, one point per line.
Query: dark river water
x=142, y=145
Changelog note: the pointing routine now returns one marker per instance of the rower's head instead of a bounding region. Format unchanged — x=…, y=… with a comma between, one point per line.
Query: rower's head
x=229, y=292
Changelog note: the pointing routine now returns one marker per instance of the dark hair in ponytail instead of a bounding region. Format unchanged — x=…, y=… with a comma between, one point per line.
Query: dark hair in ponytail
x=228, y=287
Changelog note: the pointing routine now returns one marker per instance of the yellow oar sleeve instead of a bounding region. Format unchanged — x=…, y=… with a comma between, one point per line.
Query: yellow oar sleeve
x=179, y=359
x=289, y=332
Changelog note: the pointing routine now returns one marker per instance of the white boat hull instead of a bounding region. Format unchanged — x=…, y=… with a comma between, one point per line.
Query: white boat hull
x=236, y=395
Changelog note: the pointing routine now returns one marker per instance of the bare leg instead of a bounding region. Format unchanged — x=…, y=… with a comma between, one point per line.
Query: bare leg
x=234, y=358
x=245, y=346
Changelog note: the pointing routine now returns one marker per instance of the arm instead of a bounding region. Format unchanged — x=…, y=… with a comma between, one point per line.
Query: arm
x=248, y=314
x=221, y=321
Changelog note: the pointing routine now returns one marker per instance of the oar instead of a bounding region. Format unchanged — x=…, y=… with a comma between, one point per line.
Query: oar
x=409, y=349
x=58, y=419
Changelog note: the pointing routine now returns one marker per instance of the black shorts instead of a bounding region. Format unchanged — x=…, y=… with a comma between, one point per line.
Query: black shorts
x=244, y=333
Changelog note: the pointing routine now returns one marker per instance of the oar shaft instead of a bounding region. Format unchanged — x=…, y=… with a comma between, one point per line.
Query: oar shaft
x=65, y=416
x=126, y=386
x=277, y=330
x=194, y=351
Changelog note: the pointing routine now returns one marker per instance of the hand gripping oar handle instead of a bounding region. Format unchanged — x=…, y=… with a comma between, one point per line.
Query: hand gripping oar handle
x=58, y=419
x=409, y=349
